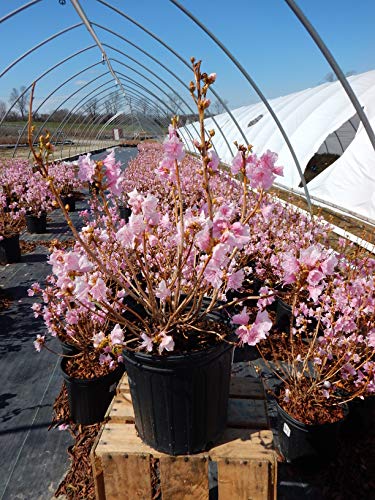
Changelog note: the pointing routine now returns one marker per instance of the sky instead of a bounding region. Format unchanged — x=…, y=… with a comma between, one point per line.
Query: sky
x=264, y=35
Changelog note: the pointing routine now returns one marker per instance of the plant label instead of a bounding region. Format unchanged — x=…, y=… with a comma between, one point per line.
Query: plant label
x=286, y=429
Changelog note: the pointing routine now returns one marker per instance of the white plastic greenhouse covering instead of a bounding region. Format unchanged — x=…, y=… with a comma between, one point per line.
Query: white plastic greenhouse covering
x=319, y=119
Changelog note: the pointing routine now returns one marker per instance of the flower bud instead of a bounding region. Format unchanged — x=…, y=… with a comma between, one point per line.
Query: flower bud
x=205, y=103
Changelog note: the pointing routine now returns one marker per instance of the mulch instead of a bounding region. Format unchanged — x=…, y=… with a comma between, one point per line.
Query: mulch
x=30, y=246
x=5, y=300
x=79, y=480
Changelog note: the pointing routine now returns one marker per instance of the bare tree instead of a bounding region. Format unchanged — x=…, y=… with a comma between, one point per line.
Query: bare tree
x=91, y=108
x=3, y=109
x=22, y=98
x=331, y=77
x=218, y=107
x=112, y=104
x=174, y=103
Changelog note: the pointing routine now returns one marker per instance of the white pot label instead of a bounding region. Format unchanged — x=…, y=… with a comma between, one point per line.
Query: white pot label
x=113, y=387
x=286, y=429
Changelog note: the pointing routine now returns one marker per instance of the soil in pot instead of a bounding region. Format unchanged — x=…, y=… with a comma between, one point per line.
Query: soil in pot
x=36, y=225
x=316, y=437
x=10, y=250
x=90, y=387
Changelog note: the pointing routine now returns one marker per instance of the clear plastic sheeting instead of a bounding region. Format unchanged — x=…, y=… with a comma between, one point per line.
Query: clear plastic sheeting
x=315, y=119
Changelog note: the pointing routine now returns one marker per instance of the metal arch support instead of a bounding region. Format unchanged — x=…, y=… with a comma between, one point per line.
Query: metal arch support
x=130, y=92
x=147, y=69
x=161, y=90
x=105, y=90
x=61, y=104
x=152, y=35
x=65, y=82
x=51, y=68
x=78, y=106
x=158, y=78
x=49, y=95
x=154, y=95
x=36, y=47
x=141, y=94
x=257, y=90
x=336, y=68
x=90, y=29
x=96, y=121
x=20, y=9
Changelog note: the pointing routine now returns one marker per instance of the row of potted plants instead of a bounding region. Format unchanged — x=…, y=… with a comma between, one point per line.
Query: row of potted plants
x=195, y=269
x=25, y=196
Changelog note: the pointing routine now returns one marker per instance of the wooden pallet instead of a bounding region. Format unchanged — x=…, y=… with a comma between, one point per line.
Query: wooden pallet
x=126, y=468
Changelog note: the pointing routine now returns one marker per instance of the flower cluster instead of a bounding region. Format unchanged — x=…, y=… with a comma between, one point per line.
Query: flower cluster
x=65, y=177
x=203, y=242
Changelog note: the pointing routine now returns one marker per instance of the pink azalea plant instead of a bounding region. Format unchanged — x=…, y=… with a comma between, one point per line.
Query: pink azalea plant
x=65, y=177
x=161, y=275
x=195, y=241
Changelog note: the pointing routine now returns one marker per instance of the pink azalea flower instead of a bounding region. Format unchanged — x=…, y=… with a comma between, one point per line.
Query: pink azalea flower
x=97, y=339
x=328, y=266
x=99, y=290
x=162, y=292
x=214, y=161
x=117, y=335
x=235, y=280
x=173, y=148
x=315, y=277
x=371, y=338
x=86, y=168
x=310, y=256
x=147, y=342
x=105, y=359
x=237, y=164
x=39, y=342
x=290, y=267
x=167, y=343
x=242, y=318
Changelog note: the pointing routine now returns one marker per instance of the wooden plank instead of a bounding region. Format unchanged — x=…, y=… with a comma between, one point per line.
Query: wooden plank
x=122, y=438
x=122, y=409
x=97, y=469
x=243, y=443
x=246, y=479
x=127, y=476
x=246, y=387
x=247, y=413
x=184, y=478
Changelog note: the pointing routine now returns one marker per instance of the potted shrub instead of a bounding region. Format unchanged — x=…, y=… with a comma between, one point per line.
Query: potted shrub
x=322, y=369
x=66, y=182
x=162, y=277
x=91, y=354
x=11, y=223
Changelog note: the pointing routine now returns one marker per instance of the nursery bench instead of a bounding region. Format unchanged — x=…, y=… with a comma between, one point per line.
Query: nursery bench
x=124, y=467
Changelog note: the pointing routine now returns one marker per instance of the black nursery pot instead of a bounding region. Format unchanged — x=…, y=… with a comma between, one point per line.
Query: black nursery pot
x=68, y=349
x=283, y=315
x=125, y=213
x=10, y=250
x=180, y=401
x=303, y=443
x=89, y=399
x=37, y=225
x=70, y=201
